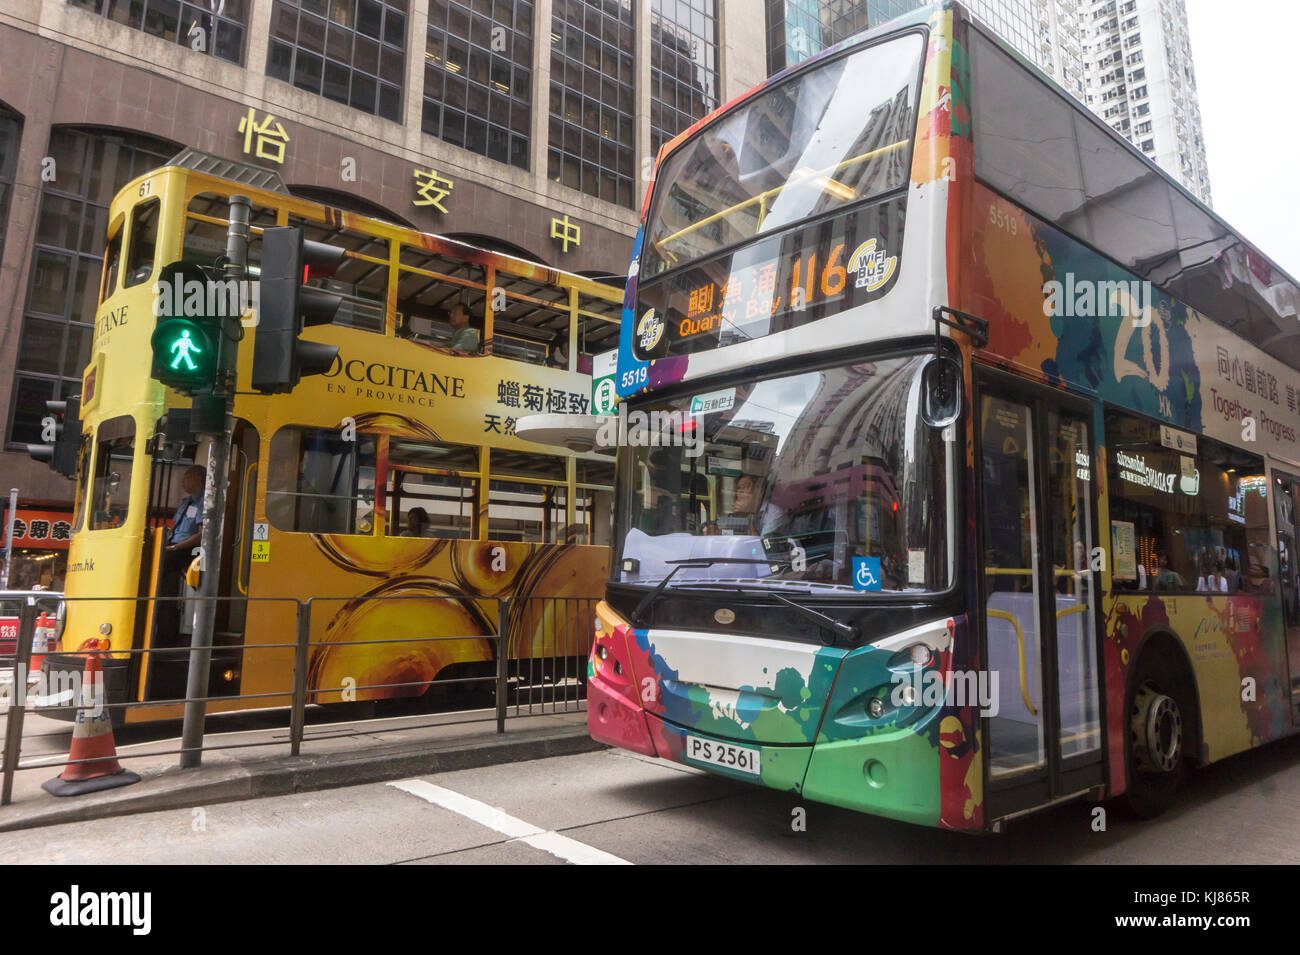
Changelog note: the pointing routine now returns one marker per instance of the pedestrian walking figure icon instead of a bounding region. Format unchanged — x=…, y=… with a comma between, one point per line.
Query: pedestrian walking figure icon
x=182, y=347
x=866, y=573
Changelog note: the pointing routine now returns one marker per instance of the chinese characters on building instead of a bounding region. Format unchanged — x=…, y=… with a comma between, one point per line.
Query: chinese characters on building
x=431, y=189
x=264, y=140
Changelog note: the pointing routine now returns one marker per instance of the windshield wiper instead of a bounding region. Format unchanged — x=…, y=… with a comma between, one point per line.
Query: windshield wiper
x=694, y=562
x=849, y=631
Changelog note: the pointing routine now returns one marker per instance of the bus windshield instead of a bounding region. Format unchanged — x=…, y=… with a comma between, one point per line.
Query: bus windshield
x=826, y=477
x=819, y=141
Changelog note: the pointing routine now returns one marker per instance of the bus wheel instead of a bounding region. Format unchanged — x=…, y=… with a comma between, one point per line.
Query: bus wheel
x=1157, y=736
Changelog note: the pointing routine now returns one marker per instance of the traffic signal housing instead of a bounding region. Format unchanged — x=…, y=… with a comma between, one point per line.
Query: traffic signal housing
x=286, y=305
x=62, y=428
x=186, y=347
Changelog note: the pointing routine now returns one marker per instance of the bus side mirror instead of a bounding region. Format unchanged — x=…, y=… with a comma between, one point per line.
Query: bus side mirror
x=941, y=392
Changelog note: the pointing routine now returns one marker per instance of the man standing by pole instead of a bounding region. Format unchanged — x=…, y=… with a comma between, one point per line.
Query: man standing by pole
x=184, y=537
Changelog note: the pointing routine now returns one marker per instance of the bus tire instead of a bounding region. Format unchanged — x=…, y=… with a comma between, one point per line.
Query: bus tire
x=1159, y=726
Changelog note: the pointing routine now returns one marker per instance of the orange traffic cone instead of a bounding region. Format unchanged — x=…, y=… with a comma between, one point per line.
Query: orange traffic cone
x=40, y=643
x=92, y=740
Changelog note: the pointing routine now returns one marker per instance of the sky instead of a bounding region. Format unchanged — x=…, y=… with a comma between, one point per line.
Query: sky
x=1245, y=56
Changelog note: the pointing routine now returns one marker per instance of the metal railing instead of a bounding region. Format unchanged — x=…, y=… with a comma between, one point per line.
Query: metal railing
x=530, y=662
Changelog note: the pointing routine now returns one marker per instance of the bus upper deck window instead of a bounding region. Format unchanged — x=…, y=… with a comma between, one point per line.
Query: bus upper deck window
x=144, y=240
x=111, y=261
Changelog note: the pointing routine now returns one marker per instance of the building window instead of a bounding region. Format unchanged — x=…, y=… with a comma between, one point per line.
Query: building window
x=350, y=51
x=10, y=128
x=592, y=135
x=194, y=25
x=90, y=167
x=683, y=66
x=478, y=77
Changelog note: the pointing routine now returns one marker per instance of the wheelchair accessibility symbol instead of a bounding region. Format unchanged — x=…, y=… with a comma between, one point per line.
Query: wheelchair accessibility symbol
x=866, y=573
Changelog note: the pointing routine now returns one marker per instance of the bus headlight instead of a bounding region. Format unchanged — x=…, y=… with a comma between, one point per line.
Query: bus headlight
x=920, y=654
x=875, y=707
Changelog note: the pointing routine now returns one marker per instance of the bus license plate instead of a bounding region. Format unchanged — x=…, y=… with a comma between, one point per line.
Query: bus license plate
x=713, y=753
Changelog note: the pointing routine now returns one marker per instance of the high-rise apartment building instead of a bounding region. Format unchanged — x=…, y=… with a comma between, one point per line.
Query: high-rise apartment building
x=1140, y=79
x=1130, y=61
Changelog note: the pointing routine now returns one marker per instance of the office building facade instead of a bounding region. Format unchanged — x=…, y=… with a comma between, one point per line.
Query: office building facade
x=533, y=112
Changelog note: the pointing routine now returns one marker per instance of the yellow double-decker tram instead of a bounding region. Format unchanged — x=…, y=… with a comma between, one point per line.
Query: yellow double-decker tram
x=395, y=474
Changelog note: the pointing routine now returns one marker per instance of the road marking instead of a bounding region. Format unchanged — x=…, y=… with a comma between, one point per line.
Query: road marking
x=570, y=850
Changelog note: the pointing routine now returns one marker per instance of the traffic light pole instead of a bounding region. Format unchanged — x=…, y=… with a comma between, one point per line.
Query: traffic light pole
x=214, y=511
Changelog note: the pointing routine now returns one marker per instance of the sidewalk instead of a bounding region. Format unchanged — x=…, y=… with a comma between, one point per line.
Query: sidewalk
x=332, y=755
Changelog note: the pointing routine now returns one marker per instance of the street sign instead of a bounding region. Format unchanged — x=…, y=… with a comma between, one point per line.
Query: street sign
x=604, y=393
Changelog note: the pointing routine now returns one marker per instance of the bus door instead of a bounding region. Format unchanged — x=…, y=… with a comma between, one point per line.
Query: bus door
x=1039, y=596
x=1286, y=497
x=170, y=623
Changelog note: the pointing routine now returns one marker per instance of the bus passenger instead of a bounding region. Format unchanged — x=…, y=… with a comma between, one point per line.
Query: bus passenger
x=1212, y=579
x=1167, y=579
x=1232, y=575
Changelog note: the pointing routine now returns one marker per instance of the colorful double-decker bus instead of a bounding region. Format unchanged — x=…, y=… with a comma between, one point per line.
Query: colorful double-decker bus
x=999, y=450
x=395, y=474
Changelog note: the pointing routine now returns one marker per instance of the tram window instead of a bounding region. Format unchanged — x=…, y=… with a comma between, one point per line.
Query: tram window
x=533, y=326
x=110, y=492
x=598, y=322
x=432, y=490
x=320, y=483
x=526, y=511
x=443, y=326
x=83, y=482
x=1191, y=522
x=361, y=278
x=144, y=240
x=593, y=503
x=205, y=241
x=431, y=505
x=531, y=513
x=112, y=259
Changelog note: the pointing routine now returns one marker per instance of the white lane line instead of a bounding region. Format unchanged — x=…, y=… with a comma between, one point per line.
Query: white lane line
x=570, y=850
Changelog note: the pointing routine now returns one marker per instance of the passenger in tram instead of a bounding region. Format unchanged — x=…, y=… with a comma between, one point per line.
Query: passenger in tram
x=464, y=338
x=417, y=523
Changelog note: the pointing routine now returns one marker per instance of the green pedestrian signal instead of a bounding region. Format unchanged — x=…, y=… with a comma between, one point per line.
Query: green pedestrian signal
x=183, y=354
x=185, y=347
